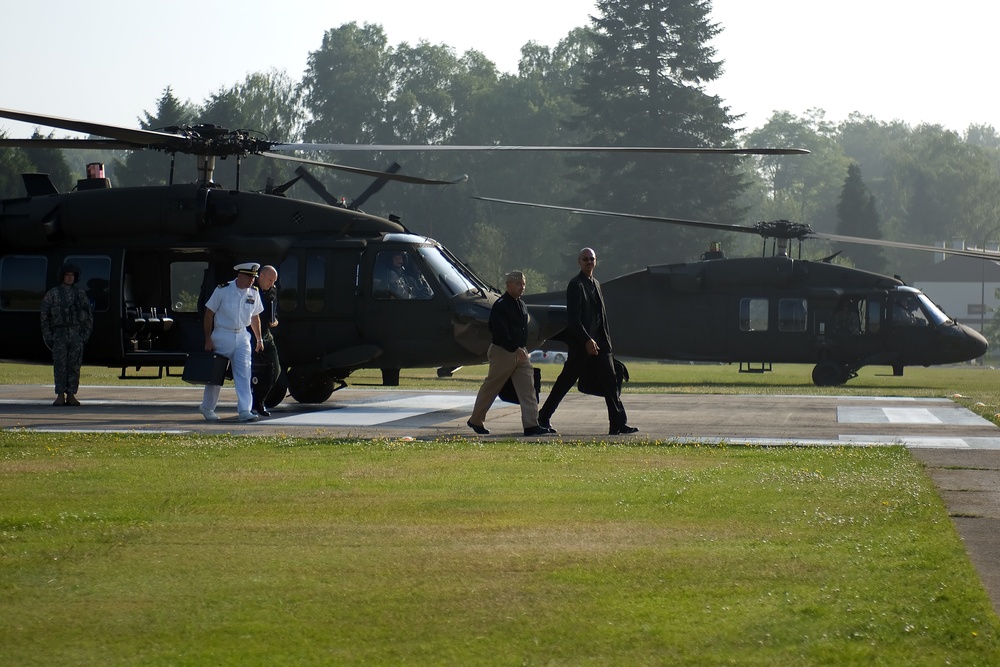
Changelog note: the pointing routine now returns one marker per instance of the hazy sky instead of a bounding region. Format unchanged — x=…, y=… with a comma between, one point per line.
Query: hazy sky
x=109, y=61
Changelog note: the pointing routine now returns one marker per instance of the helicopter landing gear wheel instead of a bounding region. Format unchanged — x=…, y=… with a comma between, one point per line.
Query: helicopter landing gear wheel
x=314, y=388
x=828, y=374
x=278, y=391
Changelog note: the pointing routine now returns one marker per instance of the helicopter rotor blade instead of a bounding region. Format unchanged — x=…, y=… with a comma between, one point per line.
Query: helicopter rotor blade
x=403, y=178
x=129, y=135
x=92, y=144
x=316, y=186
x=633, y=216
x=775, y=229
x=553, y=149
x=860, y=240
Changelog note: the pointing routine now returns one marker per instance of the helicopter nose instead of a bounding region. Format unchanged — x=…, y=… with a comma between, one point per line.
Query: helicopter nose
x=471, y=325
x=962, y=343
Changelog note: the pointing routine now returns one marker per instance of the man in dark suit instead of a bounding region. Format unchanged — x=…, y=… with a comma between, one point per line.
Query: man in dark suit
x=589, y=342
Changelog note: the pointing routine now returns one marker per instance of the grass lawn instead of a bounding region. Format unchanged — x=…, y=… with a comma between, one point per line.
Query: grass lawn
x=196, y=550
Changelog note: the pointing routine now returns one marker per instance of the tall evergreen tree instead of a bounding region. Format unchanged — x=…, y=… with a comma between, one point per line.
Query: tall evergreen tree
x=644, y=85
x=13, y=163
x=858, y=216
x=52, y=162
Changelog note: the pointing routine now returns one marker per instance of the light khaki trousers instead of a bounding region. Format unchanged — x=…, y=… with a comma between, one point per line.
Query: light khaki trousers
x=504, y=366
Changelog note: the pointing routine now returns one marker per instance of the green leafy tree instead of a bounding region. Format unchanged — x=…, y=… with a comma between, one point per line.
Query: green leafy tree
x=266, y=104
x=644, y=85
x=800, y=188
x=858, y=216
x=943, y=189
x=347, y=85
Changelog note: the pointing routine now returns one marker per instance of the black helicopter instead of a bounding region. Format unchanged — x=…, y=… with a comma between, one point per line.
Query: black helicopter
x=151, y=255
x=757, y=311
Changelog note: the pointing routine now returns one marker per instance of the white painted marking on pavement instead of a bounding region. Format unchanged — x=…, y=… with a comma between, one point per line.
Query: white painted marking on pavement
x=372, y=413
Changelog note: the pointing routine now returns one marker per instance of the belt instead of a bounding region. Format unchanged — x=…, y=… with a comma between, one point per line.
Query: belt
x=230, y=330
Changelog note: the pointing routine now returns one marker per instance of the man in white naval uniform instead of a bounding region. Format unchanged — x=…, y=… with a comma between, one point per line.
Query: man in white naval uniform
x=233, y=307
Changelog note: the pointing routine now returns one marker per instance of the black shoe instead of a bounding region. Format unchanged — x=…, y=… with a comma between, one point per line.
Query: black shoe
x=261, y=410
x=544, y=423
x=480, y=430
x=538, y=430
x=622, y=430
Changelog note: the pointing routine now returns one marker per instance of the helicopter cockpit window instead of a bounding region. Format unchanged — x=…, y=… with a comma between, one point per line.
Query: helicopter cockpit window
x=397, y=276
x=753, y=315
x=792, y=314
x=931, y=309
x=95, y=279
x=449, y=274
x=906, y=311
x=22, y=282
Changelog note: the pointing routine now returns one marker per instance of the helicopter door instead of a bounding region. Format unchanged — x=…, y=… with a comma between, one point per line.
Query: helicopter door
x=406, y=311
x=317, y=304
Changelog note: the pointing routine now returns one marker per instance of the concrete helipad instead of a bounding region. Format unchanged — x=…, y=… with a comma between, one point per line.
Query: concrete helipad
x=960, y=449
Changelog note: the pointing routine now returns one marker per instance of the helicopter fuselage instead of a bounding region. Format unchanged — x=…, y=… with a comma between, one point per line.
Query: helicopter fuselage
x=151, y=256
x=759, y=311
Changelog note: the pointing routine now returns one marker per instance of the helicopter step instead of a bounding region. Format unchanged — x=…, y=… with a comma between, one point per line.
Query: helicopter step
x=749, y=367
x=163, y=361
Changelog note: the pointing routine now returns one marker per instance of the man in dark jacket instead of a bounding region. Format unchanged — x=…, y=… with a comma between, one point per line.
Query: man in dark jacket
x=269, y=356
x=589, y=342
x=509, y=359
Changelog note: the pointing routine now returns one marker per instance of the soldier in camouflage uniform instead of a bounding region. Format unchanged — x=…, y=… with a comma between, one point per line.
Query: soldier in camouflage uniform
x=67, y=320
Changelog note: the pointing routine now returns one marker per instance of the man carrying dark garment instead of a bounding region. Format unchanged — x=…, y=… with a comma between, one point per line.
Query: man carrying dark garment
x=589, y=342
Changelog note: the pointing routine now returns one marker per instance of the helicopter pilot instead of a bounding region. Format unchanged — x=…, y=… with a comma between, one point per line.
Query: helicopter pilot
x=404, y=282
x=232, y=308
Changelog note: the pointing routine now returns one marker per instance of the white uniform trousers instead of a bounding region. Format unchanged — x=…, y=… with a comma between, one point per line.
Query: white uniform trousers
x=234, y=345
x=503, y=366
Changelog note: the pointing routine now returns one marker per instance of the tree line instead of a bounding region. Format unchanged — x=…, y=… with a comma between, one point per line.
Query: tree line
x=635, y=76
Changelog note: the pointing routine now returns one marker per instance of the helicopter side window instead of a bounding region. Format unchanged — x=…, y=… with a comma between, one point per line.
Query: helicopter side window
x=396, y=276
x=792, y=314
x=185, y=285
x=874, y=319
x=753, y=314
x=22, y=282
x=288, y=288
x=846, y=318
x=315, y=282
x=95, y=279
